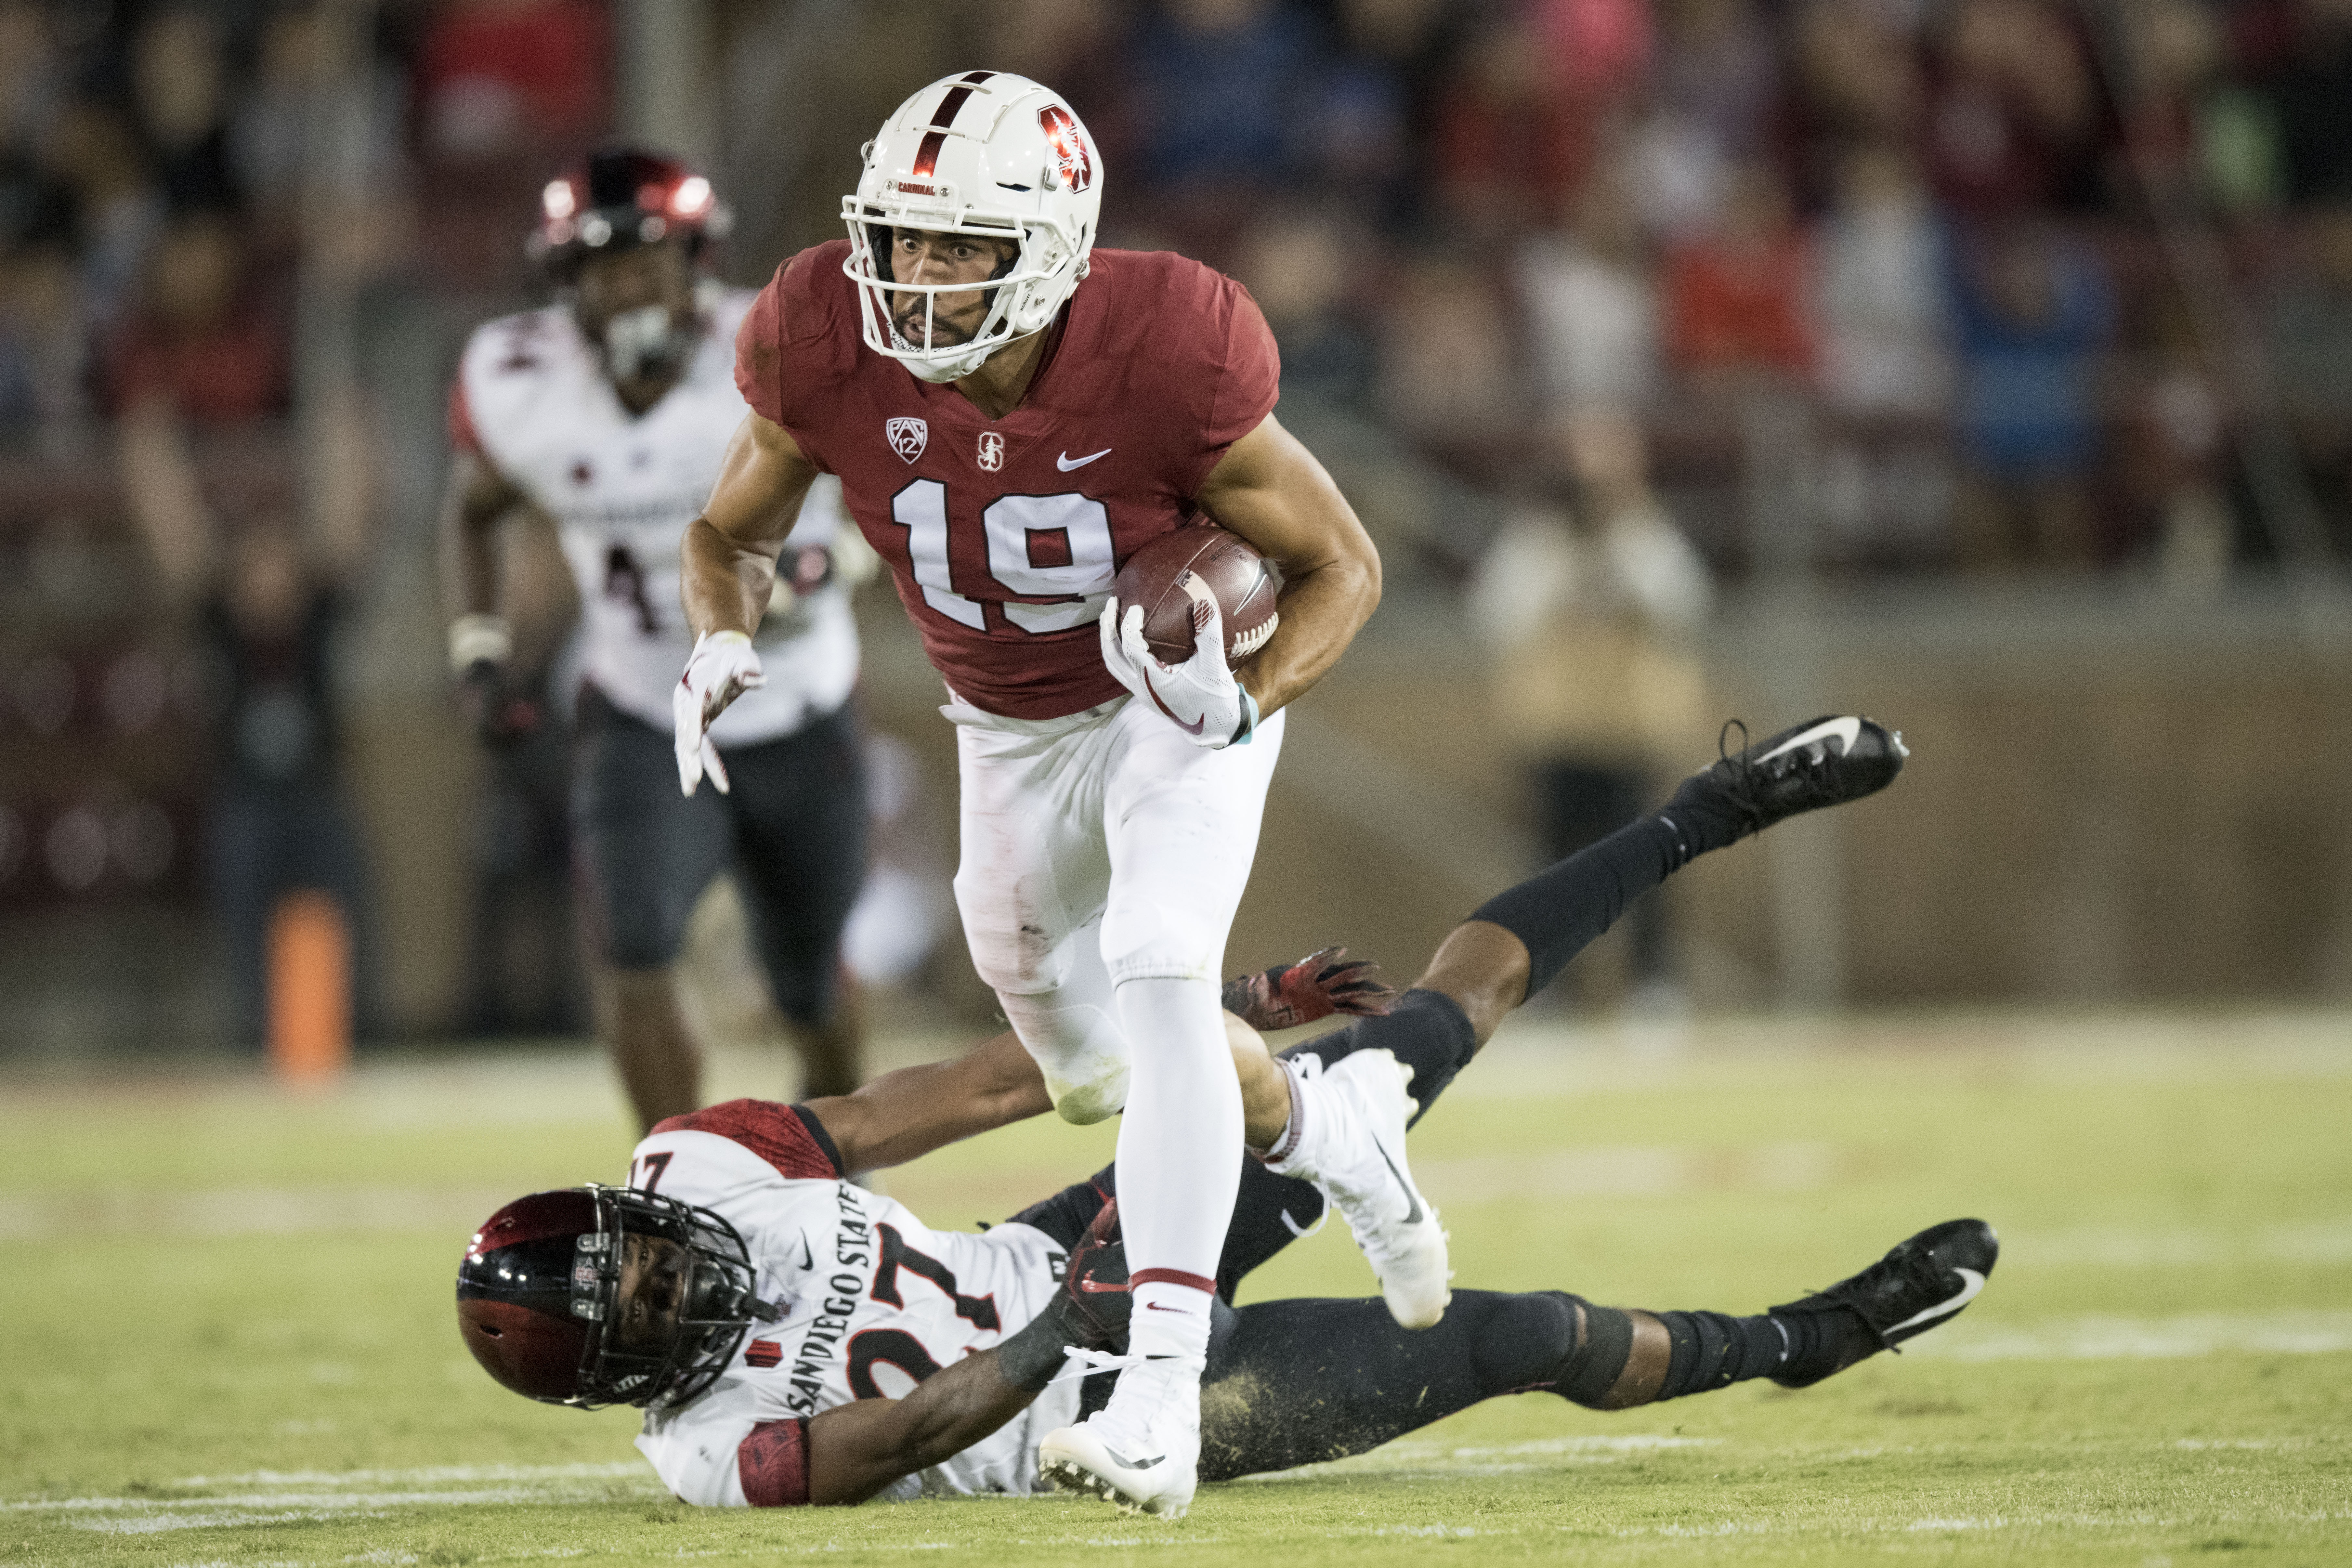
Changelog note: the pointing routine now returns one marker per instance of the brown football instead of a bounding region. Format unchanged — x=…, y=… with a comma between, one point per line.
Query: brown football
x=1243, y=582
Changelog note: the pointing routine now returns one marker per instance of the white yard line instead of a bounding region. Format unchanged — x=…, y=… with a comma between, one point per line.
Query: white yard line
x=2119, y=1246
x=2103, y=1337
x=248, y=1211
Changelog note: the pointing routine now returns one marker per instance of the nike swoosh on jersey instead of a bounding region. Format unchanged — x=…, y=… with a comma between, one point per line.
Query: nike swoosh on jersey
x=1845, y=731
x=1411, y=1197
x=1158, y=1308
x=1195, y=728
x=1970, y=1283
x=1066, y=462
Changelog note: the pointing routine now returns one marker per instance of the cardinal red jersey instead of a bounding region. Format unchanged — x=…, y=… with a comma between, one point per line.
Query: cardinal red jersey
x=1004, y=534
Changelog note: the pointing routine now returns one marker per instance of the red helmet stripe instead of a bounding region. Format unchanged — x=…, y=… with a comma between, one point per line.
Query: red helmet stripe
x=951, y=106
x=927, y=156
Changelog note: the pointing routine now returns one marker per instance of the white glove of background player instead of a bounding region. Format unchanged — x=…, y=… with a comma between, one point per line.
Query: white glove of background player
x=1199, y=695
x=723, y=667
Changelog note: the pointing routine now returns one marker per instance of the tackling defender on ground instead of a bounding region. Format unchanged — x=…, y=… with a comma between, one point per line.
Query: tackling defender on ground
x=797, y=1340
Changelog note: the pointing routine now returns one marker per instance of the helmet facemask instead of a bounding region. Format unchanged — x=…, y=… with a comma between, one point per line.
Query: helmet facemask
x=718, y=1304
x=1022, y=294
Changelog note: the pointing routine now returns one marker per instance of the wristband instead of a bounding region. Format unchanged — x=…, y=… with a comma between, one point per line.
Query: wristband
x=1249, y=719
x=474, y=638
x=720, y=639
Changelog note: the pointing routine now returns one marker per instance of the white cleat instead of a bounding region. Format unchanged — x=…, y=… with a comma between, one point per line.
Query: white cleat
x=1362, y=1170
x=1142, y=1451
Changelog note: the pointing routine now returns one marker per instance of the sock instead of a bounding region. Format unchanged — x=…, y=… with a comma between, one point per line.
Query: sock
x=1558, y=912
x=1176, y=1169
x=1302, y=1151
x=1713, y=1351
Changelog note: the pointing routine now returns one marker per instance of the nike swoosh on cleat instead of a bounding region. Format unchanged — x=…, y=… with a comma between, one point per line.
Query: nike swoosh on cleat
x=1125, y=1463
x=1195, y=728
x=1846, y=731
x=1066, y=462
x=1410, y=1198
x=1970, y=1283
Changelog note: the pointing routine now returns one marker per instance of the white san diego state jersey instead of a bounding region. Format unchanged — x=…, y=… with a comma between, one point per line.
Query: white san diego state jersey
x=533, y=399
x=874, y=1299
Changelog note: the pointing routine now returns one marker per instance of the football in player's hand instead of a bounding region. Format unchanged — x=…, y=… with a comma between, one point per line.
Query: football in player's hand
x=1243, y=582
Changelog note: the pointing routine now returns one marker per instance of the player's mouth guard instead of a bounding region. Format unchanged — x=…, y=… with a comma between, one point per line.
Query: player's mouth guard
x=646, y=341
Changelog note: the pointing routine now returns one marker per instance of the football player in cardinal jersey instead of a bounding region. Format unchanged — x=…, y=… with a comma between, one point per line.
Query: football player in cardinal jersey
x=1012, y=414
x=794, y=1340
x=609, y=413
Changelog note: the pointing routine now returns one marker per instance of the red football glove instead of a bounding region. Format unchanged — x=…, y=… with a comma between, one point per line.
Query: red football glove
x=1318, y=986
x=1096, y=1303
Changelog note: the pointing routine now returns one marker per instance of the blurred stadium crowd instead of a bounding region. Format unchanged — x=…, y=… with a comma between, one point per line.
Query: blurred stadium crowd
x=1568, y=292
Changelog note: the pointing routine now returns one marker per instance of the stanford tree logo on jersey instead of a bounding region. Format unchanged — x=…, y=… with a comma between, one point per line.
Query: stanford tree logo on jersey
x=909, y=437
x=992, y=450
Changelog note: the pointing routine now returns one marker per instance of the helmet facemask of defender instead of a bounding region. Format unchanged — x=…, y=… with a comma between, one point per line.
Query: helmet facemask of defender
x=988, y=155
x=541, y=1305
x=624, y=199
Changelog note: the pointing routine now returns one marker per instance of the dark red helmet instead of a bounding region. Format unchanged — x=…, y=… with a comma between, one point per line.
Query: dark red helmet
x=539, y=1284
x=620, y=198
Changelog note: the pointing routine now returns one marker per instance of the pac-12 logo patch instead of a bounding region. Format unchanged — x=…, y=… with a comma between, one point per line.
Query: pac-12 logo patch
x=909, y=437
x=1071, y=160
x=992, y=450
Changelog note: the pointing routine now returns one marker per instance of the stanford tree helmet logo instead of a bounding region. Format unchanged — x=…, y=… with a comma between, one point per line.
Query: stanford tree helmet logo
x=909, y=437
x=1072, y=163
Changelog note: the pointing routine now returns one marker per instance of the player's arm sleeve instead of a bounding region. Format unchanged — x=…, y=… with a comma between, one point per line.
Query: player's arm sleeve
x=1247, y=378
x=788, y=1137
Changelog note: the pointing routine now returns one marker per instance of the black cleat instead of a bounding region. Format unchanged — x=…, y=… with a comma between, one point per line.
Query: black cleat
x=1825, y=762
x=1923, y=1282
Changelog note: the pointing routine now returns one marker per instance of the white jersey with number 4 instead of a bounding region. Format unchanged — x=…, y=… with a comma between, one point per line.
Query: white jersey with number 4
x=874, y=1300
x=533, y=399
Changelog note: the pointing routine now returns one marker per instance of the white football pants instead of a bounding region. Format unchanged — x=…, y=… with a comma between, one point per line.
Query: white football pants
x=1100, y=848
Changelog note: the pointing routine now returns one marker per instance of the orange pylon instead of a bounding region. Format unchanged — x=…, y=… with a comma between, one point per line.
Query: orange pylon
x=310, y=989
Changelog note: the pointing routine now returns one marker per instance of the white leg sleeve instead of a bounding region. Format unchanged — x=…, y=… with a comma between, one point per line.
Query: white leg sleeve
x=1179, y=1160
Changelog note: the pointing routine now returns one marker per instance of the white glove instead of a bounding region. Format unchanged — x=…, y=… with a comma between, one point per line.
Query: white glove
x=722, y=666
x=1199, y=695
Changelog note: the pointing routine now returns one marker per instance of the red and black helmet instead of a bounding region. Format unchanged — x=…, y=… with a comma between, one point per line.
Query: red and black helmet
x=539, y=1284
x=622, y=198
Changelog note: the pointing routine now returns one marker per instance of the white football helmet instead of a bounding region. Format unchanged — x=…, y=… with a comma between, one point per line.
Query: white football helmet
x=982, y=153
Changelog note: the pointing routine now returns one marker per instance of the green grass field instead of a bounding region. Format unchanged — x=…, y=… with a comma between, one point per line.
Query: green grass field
x=229, y=1337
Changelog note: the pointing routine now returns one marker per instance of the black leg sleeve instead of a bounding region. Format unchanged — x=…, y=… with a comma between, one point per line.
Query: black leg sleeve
x=1304, y=1381
x=1427, y=1030
x=1429, y=1034
x=1561, y=911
